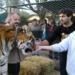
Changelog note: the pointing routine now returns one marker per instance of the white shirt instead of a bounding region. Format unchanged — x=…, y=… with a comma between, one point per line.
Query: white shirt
x=68, y=44
x=44, y=31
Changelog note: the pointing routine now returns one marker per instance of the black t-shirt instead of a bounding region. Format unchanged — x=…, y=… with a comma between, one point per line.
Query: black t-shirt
x=61, y=32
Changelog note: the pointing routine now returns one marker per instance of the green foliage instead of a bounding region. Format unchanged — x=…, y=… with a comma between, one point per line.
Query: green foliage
x=3, y=17
x=24, y=17
x=23, y=20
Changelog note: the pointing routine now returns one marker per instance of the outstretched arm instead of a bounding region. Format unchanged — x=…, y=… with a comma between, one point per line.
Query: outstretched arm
x=58, y=47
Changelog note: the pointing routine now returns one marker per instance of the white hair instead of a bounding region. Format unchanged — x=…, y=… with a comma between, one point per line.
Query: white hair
x=9, y=16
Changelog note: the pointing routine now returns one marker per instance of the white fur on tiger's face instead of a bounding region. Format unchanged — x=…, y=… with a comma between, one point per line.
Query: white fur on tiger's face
x=23, y=46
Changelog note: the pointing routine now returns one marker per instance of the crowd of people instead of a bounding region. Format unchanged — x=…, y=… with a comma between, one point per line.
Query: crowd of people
x=48, y=32
x=66, y=46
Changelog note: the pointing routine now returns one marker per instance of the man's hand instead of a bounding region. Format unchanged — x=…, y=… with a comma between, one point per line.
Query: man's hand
x=38, y=48
x=44, y=43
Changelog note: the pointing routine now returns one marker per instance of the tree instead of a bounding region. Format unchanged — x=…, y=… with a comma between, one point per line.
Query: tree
x=37, y=8
x=10, y=4
x=13, y=5
x=2, y=6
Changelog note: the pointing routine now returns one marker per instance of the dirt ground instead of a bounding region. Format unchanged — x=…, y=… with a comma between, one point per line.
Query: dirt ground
x=56, y=73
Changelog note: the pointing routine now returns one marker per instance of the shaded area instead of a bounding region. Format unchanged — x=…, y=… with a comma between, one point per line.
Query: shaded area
x=55, y=6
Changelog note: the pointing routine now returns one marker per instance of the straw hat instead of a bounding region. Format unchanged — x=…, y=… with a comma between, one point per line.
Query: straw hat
x=34, y=17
